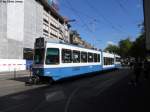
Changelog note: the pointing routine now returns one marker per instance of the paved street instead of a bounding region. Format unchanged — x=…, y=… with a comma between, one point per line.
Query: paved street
x=104, y=92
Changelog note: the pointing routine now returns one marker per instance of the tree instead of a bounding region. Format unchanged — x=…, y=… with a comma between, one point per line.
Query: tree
x=138, y=50
x=112, y=49
x=124, y=48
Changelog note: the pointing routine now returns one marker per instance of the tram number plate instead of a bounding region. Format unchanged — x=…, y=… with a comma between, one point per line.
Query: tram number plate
x=76, y=68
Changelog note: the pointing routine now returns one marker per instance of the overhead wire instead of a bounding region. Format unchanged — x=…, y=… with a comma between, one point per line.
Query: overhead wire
x=77, y=14
x=117, y=28
x=70, y=6
x=125, y=11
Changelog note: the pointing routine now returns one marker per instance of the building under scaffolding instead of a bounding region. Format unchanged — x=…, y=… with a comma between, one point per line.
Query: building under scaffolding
x=21, y=21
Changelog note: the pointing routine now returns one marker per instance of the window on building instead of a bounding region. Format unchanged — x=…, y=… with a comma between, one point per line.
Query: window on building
x=45, y=18
x=45, y=28
x=52, y=56
x=90, y=57
x=66, y=56
x=83, y=57
x=76, y=56
x=95, y=57
x=45, y=31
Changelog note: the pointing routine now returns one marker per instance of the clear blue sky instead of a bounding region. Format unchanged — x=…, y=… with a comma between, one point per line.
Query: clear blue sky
x=100, y=22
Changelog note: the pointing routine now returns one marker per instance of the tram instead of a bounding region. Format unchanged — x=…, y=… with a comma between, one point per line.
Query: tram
x=58, y=60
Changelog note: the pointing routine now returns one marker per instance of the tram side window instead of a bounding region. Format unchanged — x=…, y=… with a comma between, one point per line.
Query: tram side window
x=117, y=59
x=83, y=57
x=105, y=61
x=90, y=57
x=98, y=57
x=66, y=56
x=95, y=58
x=76, y=56
x=108, y=61
x=52, y=56
x=111, y=61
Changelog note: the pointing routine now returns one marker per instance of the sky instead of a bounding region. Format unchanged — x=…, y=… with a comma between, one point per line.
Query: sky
x=103, y=22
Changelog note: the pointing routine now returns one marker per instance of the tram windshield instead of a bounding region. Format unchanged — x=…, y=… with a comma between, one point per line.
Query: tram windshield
x=39, y=56
x=117, y=59
x=52, y=56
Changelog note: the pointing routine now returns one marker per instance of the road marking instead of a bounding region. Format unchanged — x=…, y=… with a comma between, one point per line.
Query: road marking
x=20, y=97
x=49, y=96
x=102, y=88
x=55, y=96
x=70, y=98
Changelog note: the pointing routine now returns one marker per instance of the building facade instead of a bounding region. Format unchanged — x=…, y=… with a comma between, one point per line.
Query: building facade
x=147, y=22
x=75, y=39
x=22, y=21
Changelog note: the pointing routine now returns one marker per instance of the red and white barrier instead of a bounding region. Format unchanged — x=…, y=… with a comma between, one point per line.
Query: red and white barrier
x=7, y=65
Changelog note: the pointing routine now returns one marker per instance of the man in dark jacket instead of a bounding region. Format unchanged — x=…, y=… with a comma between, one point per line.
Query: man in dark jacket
x=137, y=67
x=146, y=69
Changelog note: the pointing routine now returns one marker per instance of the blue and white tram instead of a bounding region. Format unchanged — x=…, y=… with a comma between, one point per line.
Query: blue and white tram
x=57, y=60
x=108, y=61
x=117, y=61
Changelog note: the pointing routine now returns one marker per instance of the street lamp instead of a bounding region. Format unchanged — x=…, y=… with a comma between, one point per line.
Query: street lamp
x=72, y=20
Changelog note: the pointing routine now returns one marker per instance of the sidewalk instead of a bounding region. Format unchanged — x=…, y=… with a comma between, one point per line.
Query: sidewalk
x=10, y=83
x=12, y=75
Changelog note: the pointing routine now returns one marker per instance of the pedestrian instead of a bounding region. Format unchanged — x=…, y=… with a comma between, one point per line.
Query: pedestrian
x=131, y=65
x=137, y=67
x=146, y=67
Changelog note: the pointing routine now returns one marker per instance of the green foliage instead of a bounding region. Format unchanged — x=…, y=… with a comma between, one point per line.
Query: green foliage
x=112, y=49
x=124, y=48
x=138, y=49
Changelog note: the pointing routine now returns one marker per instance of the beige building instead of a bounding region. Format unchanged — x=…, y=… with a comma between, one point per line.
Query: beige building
x=75, y=39
x=21, y=21
x=55, y=26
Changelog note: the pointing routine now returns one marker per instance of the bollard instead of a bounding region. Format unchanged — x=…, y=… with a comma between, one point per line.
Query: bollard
x=30, y=73
x=14, y=73
x=30, y=70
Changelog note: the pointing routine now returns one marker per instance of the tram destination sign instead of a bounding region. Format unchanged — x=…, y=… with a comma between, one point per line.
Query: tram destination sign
x=40, y=42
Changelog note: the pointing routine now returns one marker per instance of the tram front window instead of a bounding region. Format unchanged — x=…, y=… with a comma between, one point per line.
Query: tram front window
x=39, y=56
x=52, y=56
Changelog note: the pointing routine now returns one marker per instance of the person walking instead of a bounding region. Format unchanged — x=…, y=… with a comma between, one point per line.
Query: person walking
x=131, y=65
x=137, y=67
x=146, y=69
